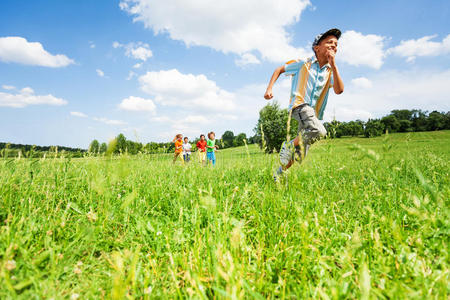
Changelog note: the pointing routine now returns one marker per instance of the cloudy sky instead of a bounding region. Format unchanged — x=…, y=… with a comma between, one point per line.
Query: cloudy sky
x=72, y=71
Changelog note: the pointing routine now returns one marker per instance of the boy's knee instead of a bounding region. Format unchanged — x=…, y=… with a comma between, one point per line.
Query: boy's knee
x=322, y=132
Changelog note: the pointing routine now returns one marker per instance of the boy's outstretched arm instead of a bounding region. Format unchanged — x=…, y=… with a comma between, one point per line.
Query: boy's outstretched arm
x=338, y=85
x=278, y=71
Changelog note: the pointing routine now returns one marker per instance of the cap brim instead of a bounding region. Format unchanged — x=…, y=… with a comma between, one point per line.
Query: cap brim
x=335, y=32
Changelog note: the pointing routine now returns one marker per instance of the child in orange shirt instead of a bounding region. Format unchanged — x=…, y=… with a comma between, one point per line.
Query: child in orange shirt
x=178, y=140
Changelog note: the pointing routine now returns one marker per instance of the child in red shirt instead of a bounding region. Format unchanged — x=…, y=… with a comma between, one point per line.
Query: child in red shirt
x=201, y=146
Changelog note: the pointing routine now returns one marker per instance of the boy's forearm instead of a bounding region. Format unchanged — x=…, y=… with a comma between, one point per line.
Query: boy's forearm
x=338, y=84
x=274, y=77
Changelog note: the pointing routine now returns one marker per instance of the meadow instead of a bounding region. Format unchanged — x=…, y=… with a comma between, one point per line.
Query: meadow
x=360, y=218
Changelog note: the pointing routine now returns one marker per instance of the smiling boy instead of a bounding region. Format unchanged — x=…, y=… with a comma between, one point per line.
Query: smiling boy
x=311, y=80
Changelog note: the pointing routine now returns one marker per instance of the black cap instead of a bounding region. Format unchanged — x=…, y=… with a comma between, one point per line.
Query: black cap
x=335, y=32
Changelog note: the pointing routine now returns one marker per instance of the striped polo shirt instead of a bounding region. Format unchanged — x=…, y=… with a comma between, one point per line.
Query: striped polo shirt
x=310, y=84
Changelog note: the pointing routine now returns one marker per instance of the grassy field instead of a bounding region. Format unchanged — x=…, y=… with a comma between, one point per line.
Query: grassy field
x=361, y=218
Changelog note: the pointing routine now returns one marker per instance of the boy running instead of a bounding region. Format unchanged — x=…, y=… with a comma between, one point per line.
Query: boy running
x=201, y=146
x=178, y=148
x=311, y=80
x=211, y=147
x=186, y=150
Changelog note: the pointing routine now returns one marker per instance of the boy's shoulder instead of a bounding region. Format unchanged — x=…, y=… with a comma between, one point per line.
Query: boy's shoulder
x=299, y=61
x=292, y=61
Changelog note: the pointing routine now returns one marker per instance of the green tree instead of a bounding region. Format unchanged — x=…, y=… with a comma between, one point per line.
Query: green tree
x=121, y=144
x=402, y=114
x=331, y=127
x=373, y=128
x=447, y=120
x=356, y=127
x=239, y=139
x=228, y=138
x=436, y=121
x=94, y=147
x=419, y=120
x=391, y=123
x=405, y=126
x=273, y=122
x=344, y=129
x=254, y=139
x=103, y=147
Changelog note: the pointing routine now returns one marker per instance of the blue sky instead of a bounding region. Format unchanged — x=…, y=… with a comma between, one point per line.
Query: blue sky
x=72, y=71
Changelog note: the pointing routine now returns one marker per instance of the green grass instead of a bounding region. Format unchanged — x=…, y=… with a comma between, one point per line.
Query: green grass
x=360, y=218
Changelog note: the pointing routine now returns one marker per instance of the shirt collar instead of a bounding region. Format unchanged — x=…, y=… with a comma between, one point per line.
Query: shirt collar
x=314, y=60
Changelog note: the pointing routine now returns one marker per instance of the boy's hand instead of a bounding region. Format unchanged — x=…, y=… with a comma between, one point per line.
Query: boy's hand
x=268, y=95
x=330, y=56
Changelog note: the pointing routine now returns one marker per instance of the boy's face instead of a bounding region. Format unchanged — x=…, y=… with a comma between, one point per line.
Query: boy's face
x=202, y=138
x=330, y=43
x=185, y=140
x=212, y=136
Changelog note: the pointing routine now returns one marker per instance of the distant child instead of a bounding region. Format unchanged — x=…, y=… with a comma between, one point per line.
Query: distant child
x=201, y=146
x=311, y=81
x=211, y=147
x=178, y=140
x=186, y=150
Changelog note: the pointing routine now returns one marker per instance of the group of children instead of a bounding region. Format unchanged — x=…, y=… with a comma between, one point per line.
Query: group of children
x=206, y=149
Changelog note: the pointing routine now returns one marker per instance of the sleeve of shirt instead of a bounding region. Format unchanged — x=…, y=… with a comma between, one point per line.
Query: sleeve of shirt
x=331, y=80
x=293, y=66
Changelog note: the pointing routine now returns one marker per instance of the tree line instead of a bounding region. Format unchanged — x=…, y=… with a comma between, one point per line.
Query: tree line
x=399, y=120
x=271, y=129
x=122, y=145
x=14, y=150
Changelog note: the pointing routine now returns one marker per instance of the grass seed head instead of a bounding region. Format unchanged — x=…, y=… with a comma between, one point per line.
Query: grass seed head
x=10, y=265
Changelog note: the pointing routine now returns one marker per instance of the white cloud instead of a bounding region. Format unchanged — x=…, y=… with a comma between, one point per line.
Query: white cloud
x=27, y=97
x=78, y=114
x=229, y=26
x=421, y=47
x=91, y=45
x=195, y=119
x=141, y=53
x=361, y=50
x=247, y=59
x=409, y=89
x=14, y=49
x=109, y=122
x=100, y=73
x=8, y=87
x=130, y=76
x=137, y=104
x=361, y=82
x=137, y=66
x=161, y=119
x=139, y=50
x=173, y=88
x=27, y=91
